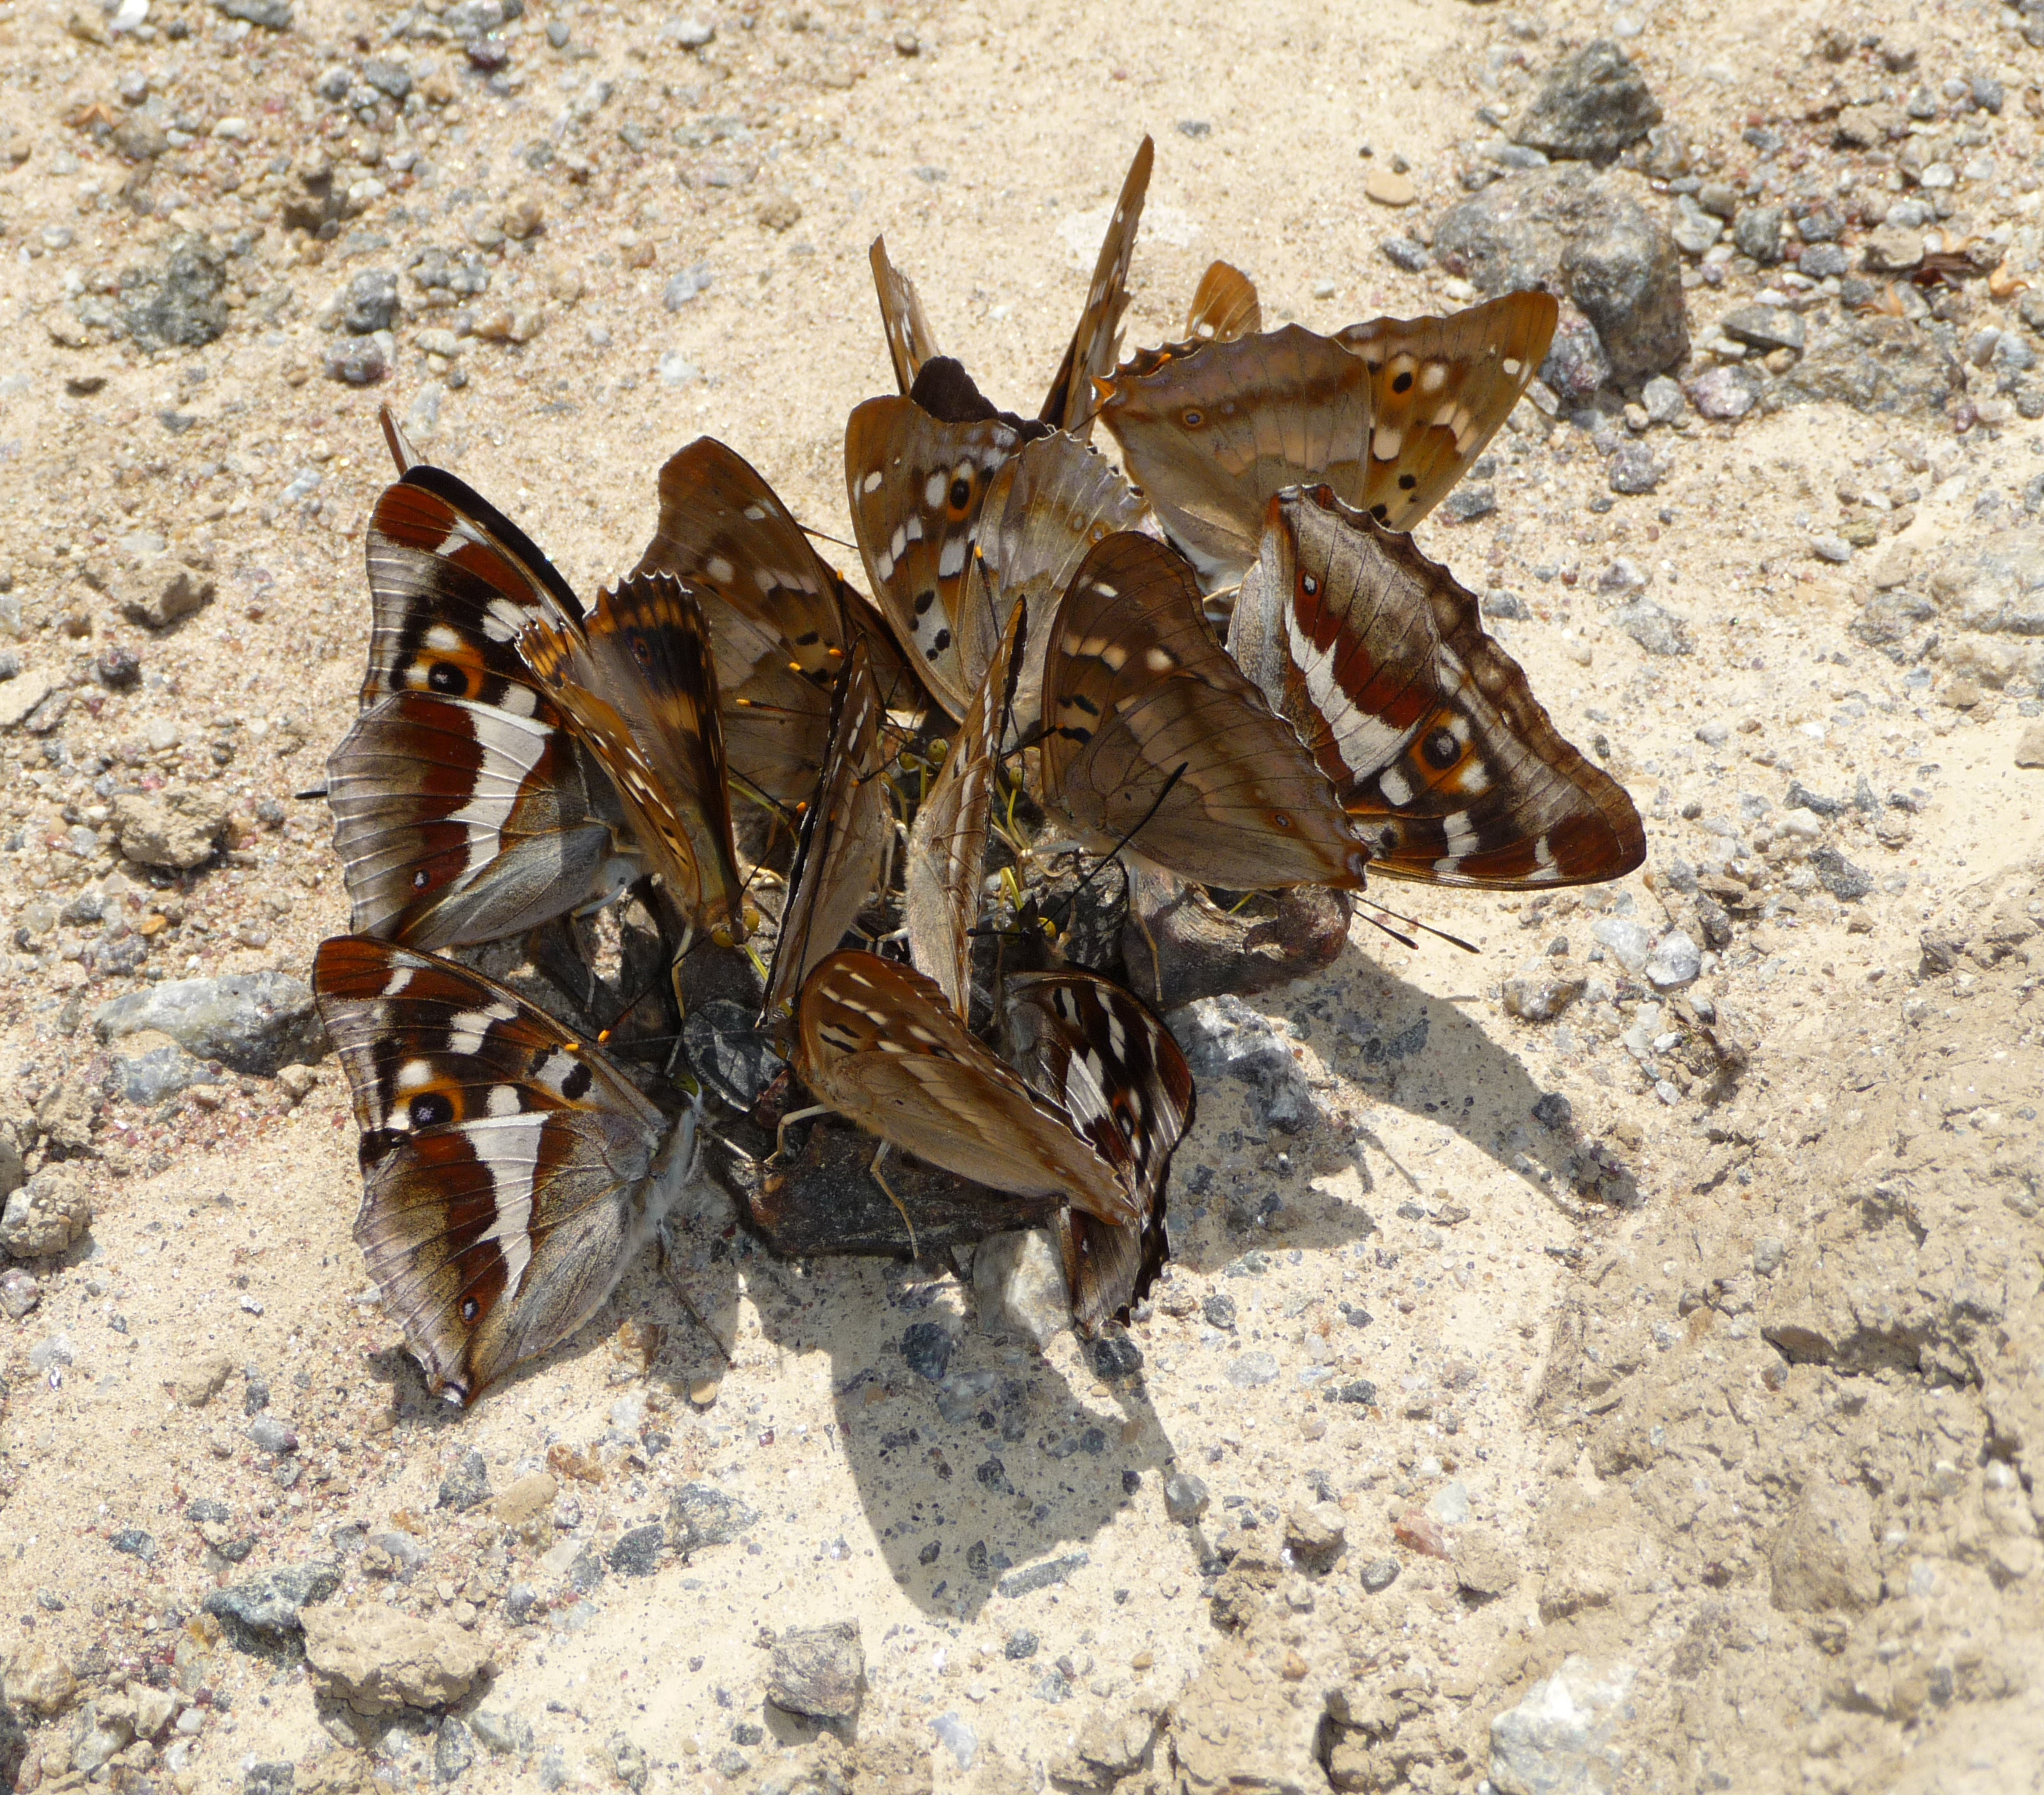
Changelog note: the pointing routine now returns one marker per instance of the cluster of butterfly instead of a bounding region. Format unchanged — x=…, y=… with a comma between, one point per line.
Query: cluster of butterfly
x=1230, y=667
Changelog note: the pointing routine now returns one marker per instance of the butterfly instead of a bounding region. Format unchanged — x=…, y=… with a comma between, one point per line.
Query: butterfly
x=1114, y=1069
x=1432, y=738
x=846, y=829
x=947, y=842
x=636, y=681
x=779, y=617
x=464, y=809
x=1153, y=737
x=879, y=1043
x=910, y=340
x=1390, y=413
x=1225, y=306
x=510, y=1171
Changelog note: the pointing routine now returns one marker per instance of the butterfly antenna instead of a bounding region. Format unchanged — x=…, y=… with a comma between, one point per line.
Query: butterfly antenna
x=303, y=797
x=1414, y=922
x=824, y=535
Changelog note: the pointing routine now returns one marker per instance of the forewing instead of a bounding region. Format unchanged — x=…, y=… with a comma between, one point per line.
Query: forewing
x=1209, y=431
x=1091, y=351
x=910, y=340
x=1153, y=735
x=1225, y=306
x=1428, y=729
x=1439, y=389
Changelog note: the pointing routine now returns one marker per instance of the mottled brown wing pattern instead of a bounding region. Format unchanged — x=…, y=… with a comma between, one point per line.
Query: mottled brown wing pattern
x=1091, y=351
x=510, y=1173
x=915, y=484
x=1209, y=431
x=1152, y=734
x=1225, y=306
x=947, y=842
x=1428, y=729
x=877, y=1042
x=844, y=833
x=1439, y=389
x=910, y=340
x=640, y=688
x=1112, y=1067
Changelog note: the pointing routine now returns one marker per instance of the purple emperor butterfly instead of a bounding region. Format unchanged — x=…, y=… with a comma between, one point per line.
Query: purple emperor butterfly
x=1115, y=1070
x=1428, y=730
x=510, y=1171
x=1225, y=306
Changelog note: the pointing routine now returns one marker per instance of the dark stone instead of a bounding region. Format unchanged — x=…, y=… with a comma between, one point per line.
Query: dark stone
x=818, y=1671
x=454, y=1750
x=1185, y=1498
x=254, y=1391
x=387, y=77
x=1757, y=231
x=1224, y=1035
x=252, y=1022
x=1800, y=797
x=272, y=15
x=372, y=301
x=585, y=1571
x=468, y=1484
x=926, y=1348
x=1845, y=881
x=267, y=1779
x=637, y=1552
x=702, y=1515
x=992, y=1474
x=1576, y=366
x=521, y=1604
x=117, y=668
x=264, y=1609
x=136, y=1543
x=180, y=304
x=1633, y=470
x=1021, y=1644
x=1114, y=1356
x=1467, y=503
x=1042, y=1576
x=1379, y=1575
x=1219, y=1310
x=1765, y=327
x=1554, y=1111
x=1362, y=1391
x=1875, y=364
x=728, y=1052
x=1590, y=106
x=359, y=361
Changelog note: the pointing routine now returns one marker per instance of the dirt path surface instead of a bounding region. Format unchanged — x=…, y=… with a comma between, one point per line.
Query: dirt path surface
x=1616, y=1361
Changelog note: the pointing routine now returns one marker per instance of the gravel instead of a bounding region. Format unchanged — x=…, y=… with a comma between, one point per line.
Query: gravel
x=1658, y=631
x=818, y=1671
x=927, y=1348
x=639, y=1550
x=467, y=1484
x=252, y=1022
x=701, y=1515
x=1589, y=106
x=267, y=1610
x=1185, y=1498
x=1726, y=393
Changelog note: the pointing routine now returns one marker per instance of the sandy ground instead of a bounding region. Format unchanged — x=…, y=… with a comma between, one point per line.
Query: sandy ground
x=1722, y=1388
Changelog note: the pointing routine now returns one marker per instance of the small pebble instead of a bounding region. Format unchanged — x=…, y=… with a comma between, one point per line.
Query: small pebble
x=1185, y=1498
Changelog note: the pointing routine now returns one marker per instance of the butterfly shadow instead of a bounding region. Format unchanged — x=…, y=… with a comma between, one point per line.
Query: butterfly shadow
x=981, y=1465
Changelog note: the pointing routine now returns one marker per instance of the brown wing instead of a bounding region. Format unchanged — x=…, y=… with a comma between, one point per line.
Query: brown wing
x=1428, y=729
x=1091, y=352
x=1047, y=506
x=509, y=1172
x=1439, y=389
x=877, y=1042
x=1151, y=733
x=844, y=831
x=640, y=688
x=1209, y=431
x=947, y=842
x=1113, y=1068
x=910, y=340
x=1225, y=306
x=915, y=486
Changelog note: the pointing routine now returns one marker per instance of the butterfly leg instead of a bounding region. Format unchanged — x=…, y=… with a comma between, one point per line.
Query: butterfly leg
x=879, y=1159
x=780, y=1134
x=681, y=1002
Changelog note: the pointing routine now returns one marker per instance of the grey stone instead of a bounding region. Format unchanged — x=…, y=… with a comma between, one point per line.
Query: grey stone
x=1450, y=1504
x=371, y=301
x=181, y=302
x=1379, y=1575
x=1625, y=940
x=454, y=1750
x=1768, y=1254
x=1875, y=364
x=1557, y=1740
x=467, y=1484
x=1185, y=1498
x=387, y=77
x=1021, y=1644
x=1018, y=1287
x=1834, y=548
x=1219, y=1310
x=726, y=1049
x=272, y=15
x=135, y=1543
x=637, y=1552
x=927, y=1349
x=627, y=1762
x=1845, y=881
x=161, y=592
x=268, y=1779
x=1576, y=368
x=1224, y=1035
x=1823, y=261
x=46, y=1216
x=100, y=1735
x=149, y=1078
x=1403, y=252
x=19, y=1294
x=701, y=1515
x=585, y=1571
x=685, y=287
x=252, y=1022
x=1726, y=393
x=521, y=1605
x=1537, y=993
x=957, y=1737
x=358, y=361
x=1757, y=231
x=1658, y=631
x=1590, y=105
x=1468, y=502
x=502, y=1732
x=1633, y=469
x=1765, y=327
x=265, y=1608
x=1044, y=1576
x=1253, y=1368
x=1675, y=962
x=272, y=1435
x=818, y=1671
x=1694, y=230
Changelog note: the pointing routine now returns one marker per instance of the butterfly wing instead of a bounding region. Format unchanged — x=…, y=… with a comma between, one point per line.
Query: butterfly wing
x=639, y=687
x=1439, y=389
x=1135, y=689
x=877, y=1042
x=915, y=484
x=844, y=830
x=1209, y=431
x=1428, y=729
x=1091, y=352
x=1225, y=306
x=510, y=1174
x=910, y=340
x=947, y=842
x=1048, y=504
x=1103, y=1055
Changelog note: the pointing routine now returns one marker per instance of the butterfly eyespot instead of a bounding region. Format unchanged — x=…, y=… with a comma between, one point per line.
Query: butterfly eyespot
x=445, y=677
x=1442, y=749
x=1403, y=382
x=1194, y=417
x=1280, y=820
x=642, y=650
x=1310, y=585
x=469, y=1308
x=420, y=879
x=960, y=493
x=429, y=1108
